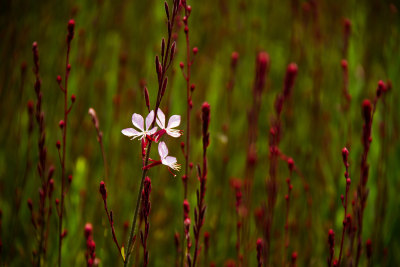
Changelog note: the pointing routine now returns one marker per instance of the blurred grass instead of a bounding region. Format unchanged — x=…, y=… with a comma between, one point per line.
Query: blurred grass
x=114, y=49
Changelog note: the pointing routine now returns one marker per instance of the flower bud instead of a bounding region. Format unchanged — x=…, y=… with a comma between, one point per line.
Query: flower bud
x=367, y=109
x=103, y=190
x=71, y=27
x=88, y=230
x=61, y=124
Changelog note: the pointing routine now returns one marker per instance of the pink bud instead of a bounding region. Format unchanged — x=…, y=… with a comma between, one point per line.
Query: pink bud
x=367, y=108
x=291, y=73
x=61, y=124
x=186, y=209
x=290, y=164
x=103, y=190
x=195, y=50
x=381, y=88
x=88, y=230
x=73, y=98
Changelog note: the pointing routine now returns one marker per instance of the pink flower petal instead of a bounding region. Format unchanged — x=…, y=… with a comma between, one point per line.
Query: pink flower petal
x=160, y=119
x=174, y=121
x=162, y=150
x=130, y=132
x=137, y=121
x=149, y=119
x=169, y=161
x=173, y=133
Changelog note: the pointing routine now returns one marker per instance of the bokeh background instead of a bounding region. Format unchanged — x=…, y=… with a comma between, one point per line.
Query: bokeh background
x=112, y=57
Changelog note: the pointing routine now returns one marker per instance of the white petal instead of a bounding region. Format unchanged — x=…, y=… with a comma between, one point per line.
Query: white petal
x=162, y=150
x=169, y=161
x=174, y=133
x=149, y=119
x=174, y=121
x=160, y=119
x=137, y=121
x=130, y=132
x=152, y=131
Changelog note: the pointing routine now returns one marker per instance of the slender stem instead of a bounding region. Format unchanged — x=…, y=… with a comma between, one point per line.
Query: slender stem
x=103, y=153
x=188, y=65
x=345, y=214
x=138, y=200
x=63, y=154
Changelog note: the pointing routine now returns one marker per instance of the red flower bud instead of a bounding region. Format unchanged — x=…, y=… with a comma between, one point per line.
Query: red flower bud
x=103, y=190
x=367, y=109
x=88, y=230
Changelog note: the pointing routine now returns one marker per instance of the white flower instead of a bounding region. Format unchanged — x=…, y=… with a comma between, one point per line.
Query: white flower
x=169, y=161
x=138, y=122
x=173, y=122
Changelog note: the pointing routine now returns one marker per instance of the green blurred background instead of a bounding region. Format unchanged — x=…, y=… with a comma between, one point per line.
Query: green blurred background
x=113, y=55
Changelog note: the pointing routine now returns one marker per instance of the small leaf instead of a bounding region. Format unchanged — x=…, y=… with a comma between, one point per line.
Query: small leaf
x=123, y=253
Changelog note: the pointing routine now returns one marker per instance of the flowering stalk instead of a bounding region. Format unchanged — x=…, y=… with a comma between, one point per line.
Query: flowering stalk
x=63, y=125
x=167, y=56
x=199, y=211
x=146, y=205
x=274, y=153
x=96, y=124
x=90, y=253
x=345, y=155
x=189, y=90
x=368, y=111
x=262, y=67
x=382, y=183
x=47, y=183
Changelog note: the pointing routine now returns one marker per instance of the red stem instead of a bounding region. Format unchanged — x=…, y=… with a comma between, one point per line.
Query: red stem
x=345, y=214
x=64, y=140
